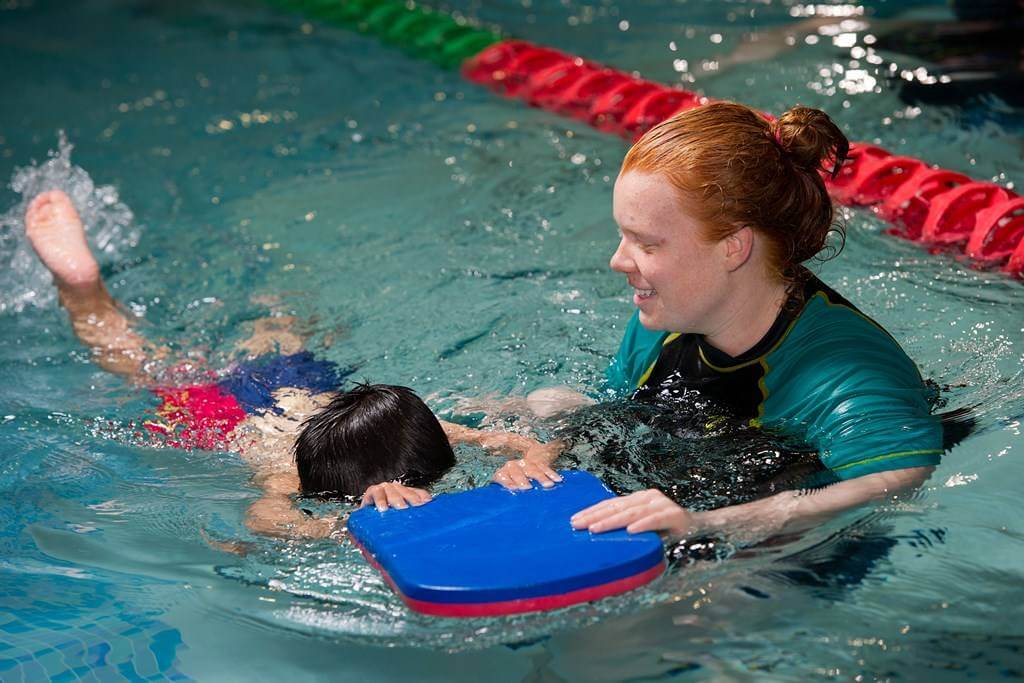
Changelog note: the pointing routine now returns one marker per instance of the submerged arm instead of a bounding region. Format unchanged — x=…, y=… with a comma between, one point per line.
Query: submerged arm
x=542, y=403
x=797, y=510
x=503, y=443
x=534, y=462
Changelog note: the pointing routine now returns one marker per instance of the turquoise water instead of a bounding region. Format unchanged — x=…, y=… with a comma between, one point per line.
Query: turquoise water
x=437, y=236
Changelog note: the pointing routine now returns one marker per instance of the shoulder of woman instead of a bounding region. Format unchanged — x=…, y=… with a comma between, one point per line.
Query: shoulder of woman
x=838, y=345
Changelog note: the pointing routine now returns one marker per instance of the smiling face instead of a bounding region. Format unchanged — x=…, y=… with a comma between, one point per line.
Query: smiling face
x=679, y=278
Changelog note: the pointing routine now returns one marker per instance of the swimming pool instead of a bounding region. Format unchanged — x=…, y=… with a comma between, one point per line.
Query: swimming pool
x=438, y=236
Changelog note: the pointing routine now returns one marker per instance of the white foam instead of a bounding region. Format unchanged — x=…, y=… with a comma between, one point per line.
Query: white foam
x=24, y=281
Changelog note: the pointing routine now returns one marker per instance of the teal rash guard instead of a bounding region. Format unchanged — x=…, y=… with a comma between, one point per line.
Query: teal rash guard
x=824, y=374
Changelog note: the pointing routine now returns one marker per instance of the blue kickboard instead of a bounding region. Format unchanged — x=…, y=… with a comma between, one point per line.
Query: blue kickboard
x=492, y=545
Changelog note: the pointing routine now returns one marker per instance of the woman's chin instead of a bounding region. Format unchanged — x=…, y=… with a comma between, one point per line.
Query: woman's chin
x=650, y=320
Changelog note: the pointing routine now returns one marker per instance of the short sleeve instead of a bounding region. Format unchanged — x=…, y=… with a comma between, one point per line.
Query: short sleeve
x=872, y=414
x=842, y=385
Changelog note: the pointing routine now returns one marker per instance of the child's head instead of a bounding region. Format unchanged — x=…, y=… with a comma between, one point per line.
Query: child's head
x=368, y=435
x=738, y=168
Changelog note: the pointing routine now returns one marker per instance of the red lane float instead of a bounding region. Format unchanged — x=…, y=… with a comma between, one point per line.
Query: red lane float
x=909, y=203
x=925, y=204
x=998, y=228
x=609, y=100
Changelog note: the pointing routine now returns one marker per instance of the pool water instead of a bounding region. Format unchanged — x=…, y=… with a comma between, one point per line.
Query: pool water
x=434, y=235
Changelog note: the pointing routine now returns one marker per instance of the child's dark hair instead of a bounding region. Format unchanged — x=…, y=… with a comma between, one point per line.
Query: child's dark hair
x=368, y=435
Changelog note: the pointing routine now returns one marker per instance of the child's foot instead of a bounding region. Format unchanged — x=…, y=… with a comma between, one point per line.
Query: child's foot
x=55, y=231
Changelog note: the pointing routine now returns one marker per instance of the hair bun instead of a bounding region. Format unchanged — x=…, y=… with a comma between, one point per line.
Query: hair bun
x=810, y=138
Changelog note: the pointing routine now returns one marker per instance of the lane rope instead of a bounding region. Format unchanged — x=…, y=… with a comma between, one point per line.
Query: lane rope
x=940, y=209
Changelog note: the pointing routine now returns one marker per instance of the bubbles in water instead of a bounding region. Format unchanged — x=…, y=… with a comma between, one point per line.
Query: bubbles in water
x=108, y=226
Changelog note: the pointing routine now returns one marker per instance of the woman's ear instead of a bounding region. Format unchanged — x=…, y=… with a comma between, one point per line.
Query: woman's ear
x=739, y=245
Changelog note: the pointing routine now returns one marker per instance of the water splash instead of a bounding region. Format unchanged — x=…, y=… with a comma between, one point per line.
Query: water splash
x=108, y=224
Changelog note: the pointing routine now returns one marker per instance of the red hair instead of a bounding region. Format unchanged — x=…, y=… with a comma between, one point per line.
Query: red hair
x=738, y=168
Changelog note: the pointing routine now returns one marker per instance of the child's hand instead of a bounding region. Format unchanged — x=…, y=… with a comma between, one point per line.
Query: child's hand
x=393, y=494
x=516, y=474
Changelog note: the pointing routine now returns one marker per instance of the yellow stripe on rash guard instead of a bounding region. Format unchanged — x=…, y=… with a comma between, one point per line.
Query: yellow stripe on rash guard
x=647, y=375
x=879, y=458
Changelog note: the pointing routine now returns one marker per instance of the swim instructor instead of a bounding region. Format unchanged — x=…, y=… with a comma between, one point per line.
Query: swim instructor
x=718, y=208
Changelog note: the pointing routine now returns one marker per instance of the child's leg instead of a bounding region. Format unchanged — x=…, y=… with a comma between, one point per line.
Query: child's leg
x=55, y=231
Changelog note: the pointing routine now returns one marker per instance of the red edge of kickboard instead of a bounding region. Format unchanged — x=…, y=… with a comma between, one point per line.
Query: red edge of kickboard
x=505, y=607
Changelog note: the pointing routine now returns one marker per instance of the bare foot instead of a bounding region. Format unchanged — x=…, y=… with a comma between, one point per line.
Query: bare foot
x=55, y=231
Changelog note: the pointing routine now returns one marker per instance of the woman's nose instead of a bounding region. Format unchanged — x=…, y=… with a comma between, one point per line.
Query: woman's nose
x=621, y=262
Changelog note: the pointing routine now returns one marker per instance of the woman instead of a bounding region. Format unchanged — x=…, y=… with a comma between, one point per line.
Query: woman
x=717, y=210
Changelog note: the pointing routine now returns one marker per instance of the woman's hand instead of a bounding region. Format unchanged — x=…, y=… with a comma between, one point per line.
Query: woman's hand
x=649, y=510
x=516, y=474
x=393, y=494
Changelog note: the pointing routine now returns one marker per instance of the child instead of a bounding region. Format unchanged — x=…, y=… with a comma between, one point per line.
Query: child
x=361, y=441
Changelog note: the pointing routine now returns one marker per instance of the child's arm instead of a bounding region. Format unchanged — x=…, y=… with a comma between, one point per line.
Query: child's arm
x=534, y=462
x=274, y=513
x=504, y=443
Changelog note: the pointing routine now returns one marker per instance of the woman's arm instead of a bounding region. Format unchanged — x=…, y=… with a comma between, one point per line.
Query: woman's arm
x=652, y=510
x=542, y=403
x=552, y=401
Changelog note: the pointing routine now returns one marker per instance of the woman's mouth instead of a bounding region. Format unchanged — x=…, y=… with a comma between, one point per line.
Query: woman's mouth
x=642, y=295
